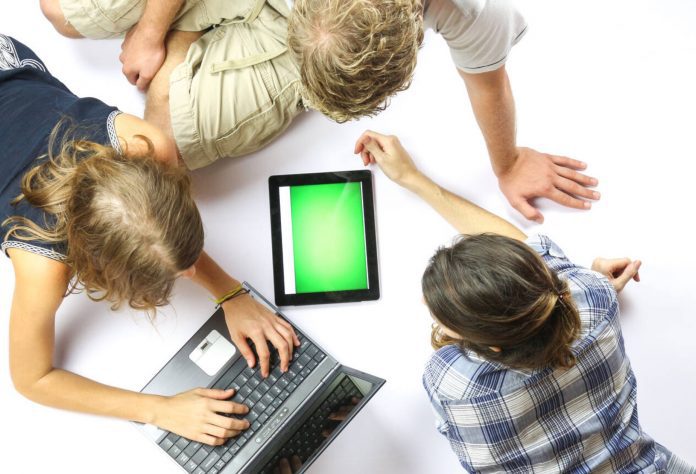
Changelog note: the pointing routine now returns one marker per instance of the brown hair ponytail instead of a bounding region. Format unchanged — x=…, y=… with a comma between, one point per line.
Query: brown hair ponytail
x=496, y=292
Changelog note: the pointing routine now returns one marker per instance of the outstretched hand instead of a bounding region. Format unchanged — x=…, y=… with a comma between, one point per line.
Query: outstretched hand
x=142, y=55
x=247, y=318
x=388, y=153
x=619, y=271
x=535, y=174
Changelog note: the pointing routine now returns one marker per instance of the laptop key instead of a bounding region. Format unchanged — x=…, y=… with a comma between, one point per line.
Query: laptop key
x=182, y=459
x=245, y=391
x=304, y=359
x=199, y=471
x=190, y=466
x=174, y=451
x=200, y=456
x=263, y=387
x=312, y=351
x=267, y=399
x=227, y=457
x=210, y=461
x=166, y=443
x=192, y=448
x=220, y=464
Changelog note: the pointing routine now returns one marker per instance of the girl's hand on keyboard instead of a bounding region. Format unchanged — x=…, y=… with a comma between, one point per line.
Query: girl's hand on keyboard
x=247, y=318
x=198, y=415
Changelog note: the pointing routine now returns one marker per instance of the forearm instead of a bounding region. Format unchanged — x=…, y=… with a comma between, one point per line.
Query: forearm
x=494, y=108
x=463, y=215
x=68, y=391
x=212, y=277
x=158, y=17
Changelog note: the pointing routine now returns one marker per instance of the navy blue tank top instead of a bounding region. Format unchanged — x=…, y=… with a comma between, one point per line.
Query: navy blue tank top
x=32, y=103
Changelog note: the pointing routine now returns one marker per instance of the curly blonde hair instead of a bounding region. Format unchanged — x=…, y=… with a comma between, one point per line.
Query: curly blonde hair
x=130, y=225
x=355, y=54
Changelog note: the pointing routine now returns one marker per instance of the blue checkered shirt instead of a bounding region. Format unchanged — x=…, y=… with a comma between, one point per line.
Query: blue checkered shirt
x=578, y=420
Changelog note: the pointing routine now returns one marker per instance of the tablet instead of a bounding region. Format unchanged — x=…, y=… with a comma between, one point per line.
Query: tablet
x=323, y=232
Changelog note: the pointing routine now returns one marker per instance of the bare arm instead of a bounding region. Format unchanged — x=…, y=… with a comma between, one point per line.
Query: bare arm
x=143, y=48
x=523, y=173
x=40, y=284
x=466, y=217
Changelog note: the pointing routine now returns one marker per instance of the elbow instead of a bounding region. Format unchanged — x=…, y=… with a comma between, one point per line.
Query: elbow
x=25, y=386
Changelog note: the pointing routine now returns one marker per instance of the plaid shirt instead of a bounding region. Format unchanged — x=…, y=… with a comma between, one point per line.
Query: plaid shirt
x=578, y=420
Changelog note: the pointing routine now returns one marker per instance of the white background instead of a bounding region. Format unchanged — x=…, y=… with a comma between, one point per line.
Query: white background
x=611, y=83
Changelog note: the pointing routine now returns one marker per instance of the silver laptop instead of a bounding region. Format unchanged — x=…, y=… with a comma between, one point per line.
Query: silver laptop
x=297, y=413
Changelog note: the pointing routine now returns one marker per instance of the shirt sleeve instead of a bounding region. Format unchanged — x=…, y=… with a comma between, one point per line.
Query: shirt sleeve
x=593, y=294
x=479, y=33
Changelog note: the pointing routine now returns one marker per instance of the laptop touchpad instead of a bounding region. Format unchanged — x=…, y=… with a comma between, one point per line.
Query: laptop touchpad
x=212, y=353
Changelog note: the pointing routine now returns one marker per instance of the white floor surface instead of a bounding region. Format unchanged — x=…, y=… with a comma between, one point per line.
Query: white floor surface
x=611, y=83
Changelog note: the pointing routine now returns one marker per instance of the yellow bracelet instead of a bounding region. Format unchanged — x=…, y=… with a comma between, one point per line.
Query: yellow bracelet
x=229, y=294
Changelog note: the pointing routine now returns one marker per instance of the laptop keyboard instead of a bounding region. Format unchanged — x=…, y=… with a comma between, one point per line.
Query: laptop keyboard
x=310, y=435
x=262, y=396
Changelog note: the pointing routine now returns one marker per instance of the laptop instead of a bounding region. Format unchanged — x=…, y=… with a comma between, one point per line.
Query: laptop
x=290, y=414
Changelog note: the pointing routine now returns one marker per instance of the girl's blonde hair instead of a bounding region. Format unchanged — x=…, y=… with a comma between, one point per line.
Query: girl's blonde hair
x=129, y=223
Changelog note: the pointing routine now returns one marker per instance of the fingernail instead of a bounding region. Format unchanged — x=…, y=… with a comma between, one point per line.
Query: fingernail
x=594, y=182
x=596, y=195
x=587, y=205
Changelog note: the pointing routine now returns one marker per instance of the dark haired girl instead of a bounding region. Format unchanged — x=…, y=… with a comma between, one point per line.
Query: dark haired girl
x=530, y=372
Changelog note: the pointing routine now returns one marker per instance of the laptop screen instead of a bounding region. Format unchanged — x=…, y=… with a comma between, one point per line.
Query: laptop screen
x=323, y=237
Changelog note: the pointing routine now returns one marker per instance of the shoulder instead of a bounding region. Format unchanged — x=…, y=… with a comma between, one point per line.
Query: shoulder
x=593, y=295
x=480, y=33
x=453, y=373
x=35, y=268
x=130, y=129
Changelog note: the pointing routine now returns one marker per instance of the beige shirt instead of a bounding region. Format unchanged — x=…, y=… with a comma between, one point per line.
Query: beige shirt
x=479, y=33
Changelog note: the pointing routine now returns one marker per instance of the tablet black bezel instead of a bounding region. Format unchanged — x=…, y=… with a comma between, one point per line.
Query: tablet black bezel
x=362, y=176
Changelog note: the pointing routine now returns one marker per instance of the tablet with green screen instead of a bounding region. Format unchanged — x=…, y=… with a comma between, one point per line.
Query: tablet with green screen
x=323, y=232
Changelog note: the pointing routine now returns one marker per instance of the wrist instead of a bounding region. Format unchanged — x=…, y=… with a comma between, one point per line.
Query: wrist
x=150, y=32
x=413, y=181
x=230, y=306
x=151, y=409
x=503, y=163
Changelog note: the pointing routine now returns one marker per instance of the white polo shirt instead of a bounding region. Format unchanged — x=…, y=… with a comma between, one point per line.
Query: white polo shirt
x=479, y=33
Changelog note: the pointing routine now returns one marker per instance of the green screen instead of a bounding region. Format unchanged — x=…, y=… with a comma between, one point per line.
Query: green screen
x=328, y=237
